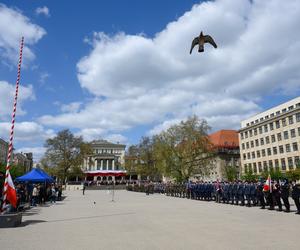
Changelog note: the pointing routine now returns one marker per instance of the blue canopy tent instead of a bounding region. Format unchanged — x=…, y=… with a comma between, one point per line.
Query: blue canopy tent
x=35, y=175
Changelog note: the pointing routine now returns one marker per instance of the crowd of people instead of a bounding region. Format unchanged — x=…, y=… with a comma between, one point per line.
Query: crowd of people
x=236, y=193
x=36, y=194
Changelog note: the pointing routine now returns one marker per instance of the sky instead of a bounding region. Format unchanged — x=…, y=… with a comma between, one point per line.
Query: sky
x=121, y=69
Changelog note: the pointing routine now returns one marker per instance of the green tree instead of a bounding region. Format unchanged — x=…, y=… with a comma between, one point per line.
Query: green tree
x=230, y=172
x=184, y=150
x=249, y=176
x=65, y=152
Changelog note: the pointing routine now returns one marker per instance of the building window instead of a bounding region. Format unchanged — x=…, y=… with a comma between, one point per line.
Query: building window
x=276, y=164
x=269, y=151
x=281, y=149
x=267, y=139
x=261, y=141
x=293, y=133
x=260, y=130
x=246, y=168
x=254, y=167
x=297, y=161
x=290, y=163
x=252, y=144
x=244, y=156
x=286, y=135
x=299, y=131
x=255, y=131
x=298, y=117
x=277, y=112
x=279, y=138
x=258, y=154
x=270, y=164
x=287, y=148
x=259, y=167
x=250, y=132
x=265, y=166
x=283, y=111
x=295, y=146
x=263, y=152
x=243, y=145
x=283, y=122
x=266, y=128
x=253, y=155
x=248, y=155
x=256, y=143
x=274, y=150
x=246, y=134
x=291, y=120
x=242, y=135
x=283, y=166
x=277, y=123
x=273, y=138
x=271, y=126
x=291, y=107
x=98, y=164
x=247, y=144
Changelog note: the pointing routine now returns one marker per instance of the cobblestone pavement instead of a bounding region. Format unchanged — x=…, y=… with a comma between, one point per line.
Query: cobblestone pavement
x=137, y=221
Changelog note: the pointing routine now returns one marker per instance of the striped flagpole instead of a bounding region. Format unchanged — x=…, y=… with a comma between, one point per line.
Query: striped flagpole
x=10, y=147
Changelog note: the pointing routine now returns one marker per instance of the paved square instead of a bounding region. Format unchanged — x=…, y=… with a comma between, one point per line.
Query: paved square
x=137, y=221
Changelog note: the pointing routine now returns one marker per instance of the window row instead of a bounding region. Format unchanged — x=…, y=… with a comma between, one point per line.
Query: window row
x=271, y=151
x=268, y=139
x=271, y=126
x=282, y=164
x=107, y=151
x=273, y=114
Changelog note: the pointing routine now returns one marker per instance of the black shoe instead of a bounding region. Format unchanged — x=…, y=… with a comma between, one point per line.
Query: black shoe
x=262, y=208
x=287, y=211
x=271, y=208
x=297, y=212
x=279, y=210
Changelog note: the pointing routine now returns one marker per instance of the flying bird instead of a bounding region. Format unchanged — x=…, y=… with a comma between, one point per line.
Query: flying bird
x=201, y=40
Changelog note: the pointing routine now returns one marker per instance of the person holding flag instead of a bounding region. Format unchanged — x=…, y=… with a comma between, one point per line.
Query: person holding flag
x=268, y=192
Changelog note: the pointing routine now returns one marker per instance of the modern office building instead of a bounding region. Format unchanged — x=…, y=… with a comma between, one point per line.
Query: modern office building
x=271, y=139
x=106, y=163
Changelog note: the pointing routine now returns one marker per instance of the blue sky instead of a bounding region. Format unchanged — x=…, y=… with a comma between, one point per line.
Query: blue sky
x=121, y=69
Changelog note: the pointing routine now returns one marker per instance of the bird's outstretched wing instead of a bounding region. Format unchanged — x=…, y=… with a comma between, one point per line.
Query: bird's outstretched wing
x=209, y=39
x=194, y=43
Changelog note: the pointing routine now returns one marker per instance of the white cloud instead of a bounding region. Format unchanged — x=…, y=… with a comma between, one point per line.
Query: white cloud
x=10, y=37
x=43, y=11
x=7, y=93
x=26, y=131
x=138, y=80
x=71, y=107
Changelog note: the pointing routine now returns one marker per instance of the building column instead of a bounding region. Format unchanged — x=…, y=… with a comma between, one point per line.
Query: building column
x=101, y=164
x=107, y=164
x=113, y=164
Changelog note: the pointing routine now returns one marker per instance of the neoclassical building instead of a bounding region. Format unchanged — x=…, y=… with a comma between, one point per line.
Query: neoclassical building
x=106, y=162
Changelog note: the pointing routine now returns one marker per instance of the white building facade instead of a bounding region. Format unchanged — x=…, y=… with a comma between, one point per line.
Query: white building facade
x=271, y=139
x=106, y=162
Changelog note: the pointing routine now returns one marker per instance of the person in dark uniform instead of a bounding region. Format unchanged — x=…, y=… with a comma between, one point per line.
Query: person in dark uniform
x=260, y=194
x=277, y=195
x=253, y=193
x=241, y=193
x=247, y=194
x=296, y=195
x=285, y=193
x=235, y=193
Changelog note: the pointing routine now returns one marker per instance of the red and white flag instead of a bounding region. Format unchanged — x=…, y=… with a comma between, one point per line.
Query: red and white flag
x=11, y=194
x=268, y=185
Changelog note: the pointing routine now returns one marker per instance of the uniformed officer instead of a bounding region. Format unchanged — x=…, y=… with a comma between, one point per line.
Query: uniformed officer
x=248, y=193
x=277, y=195
x=296, y=195
x=285, y=193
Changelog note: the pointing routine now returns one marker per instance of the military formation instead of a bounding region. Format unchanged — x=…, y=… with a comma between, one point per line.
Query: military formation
x=238, y=192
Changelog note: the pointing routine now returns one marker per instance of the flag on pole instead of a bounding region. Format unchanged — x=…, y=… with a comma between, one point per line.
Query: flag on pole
x=268, y=185
x=11, y=194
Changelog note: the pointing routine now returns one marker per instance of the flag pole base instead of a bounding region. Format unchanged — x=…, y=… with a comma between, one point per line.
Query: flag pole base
x=10, y=220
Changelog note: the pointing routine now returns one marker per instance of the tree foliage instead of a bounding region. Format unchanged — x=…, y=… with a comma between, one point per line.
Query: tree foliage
x=184, y=150
x=64, y=154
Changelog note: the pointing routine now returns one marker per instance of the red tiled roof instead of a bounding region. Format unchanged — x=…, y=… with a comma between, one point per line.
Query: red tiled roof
x=225, y=138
